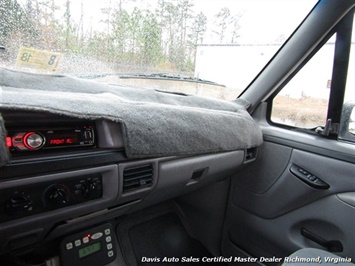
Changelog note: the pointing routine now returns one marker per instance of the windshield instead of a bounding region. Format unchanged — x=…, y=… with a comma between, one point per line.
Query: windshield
x=207, y=47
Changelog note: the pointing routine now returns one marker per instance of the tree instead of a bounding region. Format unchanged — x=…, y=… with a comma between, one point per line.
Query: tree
x=120, y=31
x=235, y=26
x=136, y=37
x=173, y=18
x=94, y=46
x=185, y=14
x=107, y=12
x=168, y=35
x=45, y=11
x=67, y=16
x=222, y=22
x=135, y=27
x=199, y=28
x=150, y=36
x=14, y=20
x=46, y=24
x=159, y=14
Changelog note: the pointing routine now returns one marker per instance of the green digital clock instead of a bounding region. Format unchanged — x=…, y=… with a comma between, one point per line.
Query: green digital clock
x=86, y=251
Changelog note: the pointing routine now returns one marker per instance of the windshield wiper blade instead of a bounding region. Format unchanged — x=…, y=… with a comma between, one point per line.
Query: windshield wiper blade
x=95, y=76
x=160, y=76
x=166, y=76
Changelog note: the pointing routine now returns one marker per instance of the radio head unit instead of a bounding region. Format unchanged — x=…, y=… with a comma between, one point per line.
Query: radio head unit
x=46, y=138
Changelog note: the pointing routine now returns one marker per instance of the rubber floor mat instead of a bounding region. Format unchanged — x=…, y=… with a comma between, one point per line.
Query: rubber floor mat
x=164, y=241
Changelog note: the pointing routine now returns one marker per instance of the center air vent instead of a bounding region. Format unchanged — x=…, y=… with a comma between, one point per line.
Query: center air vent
x=137, y=177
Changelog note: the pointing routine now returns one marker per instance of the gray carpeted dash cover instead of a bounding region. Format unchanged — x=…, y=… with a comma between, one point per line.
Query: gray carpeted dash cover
x=154, y=123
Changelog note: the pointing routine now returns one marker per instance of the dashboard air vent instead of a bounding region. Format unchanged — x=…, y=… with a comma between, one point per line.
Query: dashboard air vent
x=137, y=177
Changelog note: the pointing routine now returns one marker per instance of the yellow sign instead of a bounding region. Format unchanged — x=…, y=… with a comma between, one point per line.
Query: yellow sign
x=38, y=59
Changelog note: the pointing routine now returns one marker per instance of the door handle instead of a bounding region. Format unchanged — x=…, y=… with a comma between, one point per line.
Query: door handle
x=331, y=245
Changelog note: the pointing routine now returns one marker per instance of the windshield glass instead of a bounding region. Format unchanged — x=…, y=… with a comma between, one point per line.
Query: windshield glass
x=172, y=45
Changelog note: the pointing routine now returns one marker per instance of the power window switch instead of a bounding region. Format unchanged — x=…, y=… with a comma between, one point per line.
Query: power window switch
x=312, y=178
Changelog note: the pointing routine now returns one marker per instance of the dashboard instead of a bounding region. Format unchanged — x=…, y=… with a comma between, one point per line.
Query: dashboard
x=67, y=174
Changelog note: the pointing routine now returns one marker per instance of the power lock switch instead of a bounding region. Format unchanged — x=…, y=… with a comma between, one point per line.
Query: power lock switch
x=308, y=178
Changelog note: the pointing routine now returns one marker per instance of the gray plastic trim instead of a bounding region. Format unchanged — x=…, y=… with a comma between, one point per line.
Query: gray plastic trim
x=45, y=221
x=230, y=249
x=289, y=193
x=176, y=176
x=137, y=193
x=301, y=140
x=109, y=134
x=348, y=198
x=203, y=211
x=328, y=217
x=266, y=170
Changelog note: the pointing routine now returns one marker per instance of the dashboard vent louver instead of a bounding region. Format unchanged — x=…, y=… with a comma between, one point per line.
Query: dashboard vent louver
x=137, y=177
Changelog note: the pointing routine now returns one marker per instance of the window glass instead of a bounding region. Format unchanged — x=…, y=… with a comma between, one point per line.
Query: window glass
x=160, y=44
x=350, y=82
x=303, y=102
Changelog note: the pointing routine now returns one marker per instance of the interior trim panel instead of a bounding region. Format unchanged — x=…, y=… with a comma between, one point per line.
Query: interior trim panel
x=301, y=140
x=43, y=221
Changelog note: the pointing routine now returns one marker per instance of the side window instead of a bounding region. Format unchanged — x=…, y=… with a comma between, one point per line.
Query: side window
x=347, y=125
x=303, y=102
x=310, y=99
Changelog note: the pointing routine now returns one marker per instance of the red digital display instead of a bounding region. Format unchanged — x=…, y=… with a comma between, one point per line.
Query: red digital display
x=61, y=141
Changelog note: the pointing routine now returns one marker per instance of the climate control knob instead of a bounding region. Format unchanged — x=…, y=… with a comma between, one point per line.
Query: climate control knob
x=18, y=204
x=56, y=195
x=88, y=189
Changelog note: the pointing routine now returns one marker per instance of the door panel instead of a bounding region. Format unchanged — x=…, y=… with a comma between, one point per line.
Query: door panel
x=329, y=218
x=288, y=192
x=259, y=180
x=269, y=206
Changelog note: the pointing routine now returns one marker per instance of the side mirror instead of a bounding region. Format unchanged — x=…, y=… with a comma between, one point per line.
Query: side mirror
x=347, y=124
